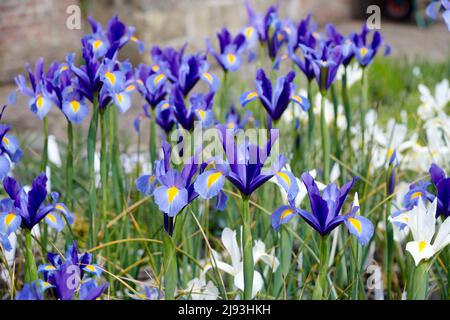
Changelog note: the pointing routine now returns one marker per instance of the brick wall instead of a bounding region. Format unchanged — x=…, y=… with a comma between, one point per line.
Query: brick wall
x=30, y=29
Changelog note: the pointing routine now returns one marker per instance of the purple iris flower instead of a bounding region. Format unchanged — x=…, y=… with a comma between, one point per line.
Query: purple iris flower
x=325, y=61
x=275, y=34
x=233, y=119
x=416, y=191
x=305, y=36
x=346, y=44
x=200, y=108
x=442, y=184
x=151, y=84
x=75, y=273
x=229, y=54
x=98, y=48
x=243, y=167
x=365, y=51
x=256, y=21
x=435, y=6
x=9, y=148
x=30, y=291
x=326, y=207
x=183, y=70
x=172, y=189
x=275, y=99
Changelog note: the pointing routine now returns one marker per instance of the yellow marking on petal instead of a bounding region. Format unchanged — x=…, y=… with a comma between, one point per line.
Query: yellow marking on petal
x=111, y=77
x=50, y=268
x=5, y=140
x=155, y=68
x=208, y=77
x=298, y=99
x=9, y=218
x=97, y=44
x=60, y=208
x=422, y=245
x=130, y=88
x=151, y=179
x=285, y=177
x=172, y=192
x=40, y=101
x=140, y=81
x=75, y=105
x=63, y=68
x=416, y=194
x=119, y=97
x=159, y=78
x=280, y=37
x=90, y=267
x=363, y=51
x=51, y=217
x=231, y=58
x=165, y=106
x=201, y=113
x=213, y=178
x=356, y=224
x=230, y=125
x=286, y=213
x=248, y=32
x=134, y=38
x=251, y=95
x=390, y=153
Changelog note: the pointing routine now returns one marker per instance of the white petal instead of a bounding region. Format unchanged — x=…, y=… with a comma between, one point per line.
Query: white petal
x=258, y=282
x=230, y=243
x=418, y=253
x=443, y=236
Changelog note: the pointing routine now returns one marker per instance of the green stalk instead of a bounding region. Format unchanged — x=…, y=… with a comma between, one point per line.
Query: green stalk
x=325, y=139
x=170, y=266
x=348, y=114
x=320, y=290
x=311, y=120
x=45, y=149
x=69, y=165
x=91, y=144
x=152, y=138
x=418, y=285
x=248, y=250
x=31, y=274
x=362, y=112
x=103, y=166
x=389, y=241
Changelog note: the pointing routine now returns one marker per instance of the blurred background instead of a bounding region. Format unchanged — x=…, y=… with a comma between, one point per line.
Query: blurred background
x=30, y=29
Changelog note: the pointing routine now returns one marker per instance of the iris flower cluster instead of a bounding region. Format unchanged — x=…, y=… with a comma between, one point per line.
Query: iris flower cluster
x=67, y=277
x=26, y=209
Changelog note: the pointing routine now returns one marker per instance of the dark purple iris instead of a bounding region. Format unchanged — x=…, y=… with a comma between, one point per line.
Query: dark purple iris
x=442, y=184
x=325, y=208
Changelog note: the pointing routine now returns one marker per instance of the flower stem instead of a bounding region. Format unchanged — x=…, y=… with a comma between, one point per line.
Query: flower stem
x=248, y=250
x=311, y=121
x=69, y=165
x=45, y=148
x=418, y=285
x=320, y=289
x=170, y=266
x=325, y=139
x=31, y=274
x=91, y=144
x=348, y=114
x=103, y=165
x=389, y=242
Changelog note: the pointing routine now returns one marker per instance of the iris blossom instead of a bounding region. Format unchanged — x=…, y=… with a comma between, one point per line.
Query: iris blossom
x=325, y=61
x=10, y=150
x=365, y=51
x=27, y=209
x=74, y=274
x=434, y=7
x=442, y=185
x=172, y=189
x=275, y=99
x=325, y=211
x=229, y=54
x=183, y=70
x=243, y=167
x=305, y=36
x=151, y=84
x=200, y=108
